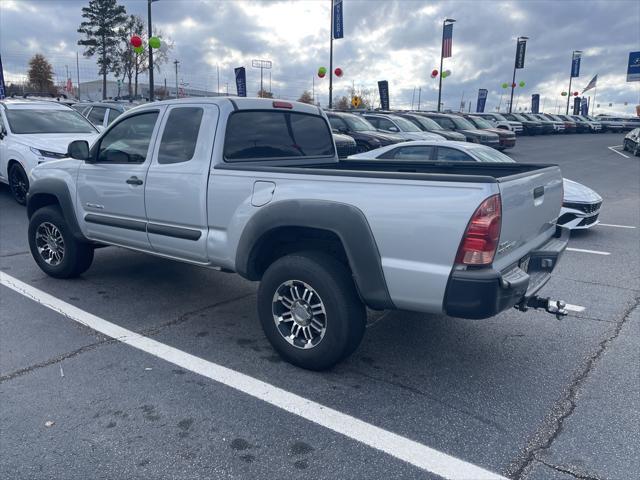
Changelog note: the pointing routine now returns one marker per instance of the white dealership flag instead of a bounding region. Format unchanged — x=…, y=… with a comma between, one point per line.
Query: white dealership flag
x=592, y=84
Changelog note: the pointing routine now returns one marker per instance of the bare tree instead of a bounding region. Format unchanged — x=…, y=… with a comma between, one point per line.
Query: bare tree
x=264, y=94
x=306, y=97
x=342, y=103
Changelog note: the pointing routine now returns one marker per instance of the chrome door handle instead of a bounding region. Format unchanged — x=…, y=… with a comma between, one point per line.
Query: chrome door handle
x=134, y=181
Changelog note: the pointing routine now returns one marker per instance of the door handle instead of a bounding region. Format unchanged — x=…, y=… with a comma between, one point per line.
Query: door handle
x=134, y=181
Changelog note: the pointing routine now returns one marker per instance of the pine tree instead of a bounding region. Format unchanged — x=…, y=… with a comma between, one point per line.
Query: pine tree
x=103, y=19
x=40, y=74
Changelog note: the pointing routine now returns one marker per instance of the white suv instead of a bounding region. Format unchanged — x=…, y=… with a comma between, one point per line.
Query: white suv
x=33, y=132
x=499, y=121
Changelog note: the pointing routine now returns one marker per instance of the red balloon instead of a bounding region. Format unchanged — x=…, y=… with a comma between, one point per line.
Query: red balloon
x=321, y=75
x=434, y=73
x=338, y=72
x=136, y=41
x=513, y=85
x=575, y=94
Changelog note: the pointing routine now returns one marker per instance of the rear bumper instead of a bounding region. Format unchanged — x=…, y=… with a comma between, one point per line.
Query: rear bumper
x=484, y=293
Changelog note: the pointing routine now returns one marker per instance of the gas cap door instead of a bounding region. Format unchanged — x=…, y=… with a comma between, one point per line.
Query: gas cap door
x=262, y=193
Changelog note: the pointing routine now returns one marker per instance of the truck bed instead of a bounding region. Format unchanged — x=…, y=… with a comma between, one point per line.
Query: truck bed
x=434, y=171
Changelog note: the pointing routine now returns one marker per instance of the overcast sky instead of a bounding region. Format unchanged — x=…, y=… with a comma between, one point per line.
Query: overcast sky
x=394, y=40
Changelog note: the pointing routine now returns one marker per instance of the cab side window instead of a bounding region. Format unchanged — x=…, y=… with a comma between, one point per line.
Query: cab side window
x=113, y=114
x=180, y=135
x=128, y=141
x=96, y=116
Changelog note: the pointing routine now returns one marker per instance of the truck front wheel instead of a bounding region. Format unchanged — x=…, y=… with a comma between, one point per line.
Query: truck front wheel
x=54, y=248
x=310, y=310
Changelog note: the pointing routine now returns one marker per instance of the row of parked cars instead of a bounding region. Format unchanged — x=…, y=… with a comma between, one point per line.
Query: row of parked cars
x=374, y=129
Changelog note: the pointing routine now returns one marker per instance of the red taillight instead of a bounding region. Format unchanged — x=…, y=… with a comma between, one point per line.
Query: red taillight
x=278, y=104
x=480, y=240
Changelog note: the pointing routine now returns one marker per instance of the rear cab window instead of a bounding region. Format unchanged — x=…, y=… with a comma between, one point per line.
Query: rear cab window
x=254, y=135
x=180, y=135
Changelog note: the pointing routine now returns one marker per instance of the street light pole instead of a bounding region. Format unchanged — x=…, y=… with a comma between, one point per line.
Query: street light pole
x=515, y=66
x=176, y=62
x=151, y=96
x=573, y=58
x=444, y=24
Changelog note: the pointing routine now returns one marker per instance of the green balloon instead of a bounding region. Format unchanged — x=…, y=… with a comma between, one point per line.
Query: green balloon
x=522, y=84
x=139, y=49
x=564, y=94
x=154, y=42
x=505, y=85
x=322, y=70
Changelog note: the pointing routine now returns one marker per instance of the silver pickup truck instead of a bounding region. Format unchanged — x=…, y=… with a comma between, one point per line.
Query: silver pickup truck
x=254, y=186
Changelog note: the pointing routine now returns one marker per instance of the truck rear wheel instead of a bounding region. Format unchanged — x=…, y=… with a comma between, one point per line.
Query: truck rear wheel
x=54, y=248
x=310, y=311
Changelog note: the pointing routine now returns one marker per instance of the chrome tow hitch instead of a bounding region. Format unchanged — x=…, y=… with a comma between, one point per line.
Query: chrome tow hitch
x=554, y=307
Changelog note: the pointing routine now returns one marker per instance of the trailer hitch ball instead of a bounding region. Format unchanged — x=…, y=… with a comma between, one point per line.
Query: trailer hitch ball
x=554, y=307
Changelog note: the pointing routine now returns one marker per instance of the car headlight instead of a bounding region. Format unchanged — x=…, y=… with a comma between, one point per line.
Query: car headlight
x=46, y=153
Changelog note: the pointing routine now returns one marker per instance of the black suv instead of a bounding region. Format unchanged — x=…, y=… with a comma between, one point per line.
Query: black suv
x=530, y=127
x=366, y=136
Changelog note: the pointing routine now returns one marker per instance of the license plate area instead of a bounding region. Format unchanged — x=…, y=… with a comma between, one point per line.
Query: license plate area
x=523, y=264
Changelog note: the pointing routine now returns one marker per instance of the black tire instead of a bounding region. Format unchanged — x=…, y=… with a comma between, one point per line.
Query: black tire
x=625, y=146
x=345, y=318
x=18, y=183
x=76, y=256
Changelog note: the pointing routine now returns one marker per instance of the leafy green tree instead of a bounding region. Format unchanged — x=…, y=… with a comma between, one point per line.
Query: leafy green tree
x=40, y=74
x=103, y=20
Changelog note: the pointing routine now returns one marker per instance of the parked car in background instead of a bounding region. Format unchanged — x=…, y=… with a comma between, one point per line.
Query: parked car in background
x=628, y=123
x=608, y=124
x=594, y=127
x=569, y=126
x=507, y=138
x=345, y=145
x=427, y=124
x=580, y=127
x=365, y=134
x=631, y=142
x=400, y=126
x=456, y=123
x=557, y=126
x=254, y=186
x=530, y=127
x=498, y=121
x=34, y=132
x=101, y=114
x=580, y=204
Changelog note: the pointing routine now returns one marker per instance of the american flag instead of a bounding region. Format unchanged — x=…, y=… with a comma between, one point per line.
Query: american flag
x=447, y=40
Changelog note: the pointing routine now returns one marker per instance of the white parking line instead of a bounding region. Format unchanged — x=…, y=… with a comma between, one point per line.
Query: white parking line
x=616, y=226
x=574, y=308
x=410, y=451
x=595, y=252
x=613, y=149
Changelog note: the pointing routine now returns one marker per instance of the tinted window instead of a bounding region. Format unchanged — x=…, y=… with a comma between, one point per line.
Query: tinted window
x=337, y=123
x=416, y=153
x=384, y=124
x=96, y=116
x=445, y=123
x=128, y=141
x=113, y=114
x=180, y=135
x=47, y=121
x=255, y=135
x=450, y=155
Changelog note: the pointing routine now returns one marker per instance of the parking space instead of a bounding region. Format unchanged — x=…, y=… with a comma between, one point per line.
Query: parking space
x=518, y=395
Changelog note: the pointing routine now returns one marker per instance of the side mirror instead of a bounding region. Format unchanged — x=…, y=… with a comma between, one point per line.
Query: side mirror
x=78, y=149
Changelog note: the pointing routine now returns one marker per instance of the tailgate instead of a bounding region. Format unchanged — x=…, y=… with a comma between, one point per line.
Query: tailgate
x=531, y=204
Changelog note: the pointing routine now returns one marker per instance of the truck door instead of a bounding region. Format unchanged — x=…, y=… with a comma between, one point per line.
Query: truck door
x=176, y=187
x=111, y=187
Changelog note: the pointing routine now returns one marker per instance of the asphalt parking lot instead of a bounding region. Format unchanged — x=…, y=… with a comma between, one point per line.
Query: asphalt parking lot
x=522, y=395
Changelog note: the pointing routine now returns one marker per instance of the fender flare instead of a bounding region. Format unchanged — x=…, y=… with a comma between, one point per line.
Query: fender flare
x=347, y=222
x=58, y=189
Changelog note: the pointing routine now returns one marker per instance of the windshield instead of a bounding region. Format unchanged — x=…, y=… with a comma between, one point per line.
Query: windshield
x=519, y=117
x=405, y=124
x=487, y=154
x=480, y=122
x=499, y=117
x=427, y=123
x=462, y=123
x=358, y=124
x=25, y=121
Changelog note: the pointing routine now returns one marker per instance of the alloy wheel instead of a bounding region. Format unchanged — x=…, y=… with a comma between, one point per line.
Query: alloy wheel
x=50, y=243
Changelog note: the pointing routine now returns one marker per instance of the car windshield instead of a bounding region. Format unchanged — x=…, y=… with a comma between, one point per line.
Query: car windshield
x=519, y=117
x=462, y=123
x=577, y=118
x=487, y=154
x=480, y=122
x=427, y=123
x=405, y=124
x=358, y=124
x=29, y=120
x=499, y=117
